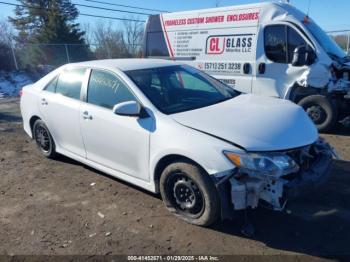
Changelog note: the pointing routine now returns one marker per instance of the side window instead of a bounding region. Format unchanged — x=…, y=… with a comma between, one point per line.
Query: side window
x=106, y=90
x=275, y=43
x=70, y=81
x=51, y=86
x=156, y=44
x=294, y=41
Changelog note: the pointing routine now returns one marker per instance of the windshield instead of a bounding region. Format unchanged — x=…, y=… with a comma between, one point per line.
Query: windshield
x=327, y=43
x=180, y=88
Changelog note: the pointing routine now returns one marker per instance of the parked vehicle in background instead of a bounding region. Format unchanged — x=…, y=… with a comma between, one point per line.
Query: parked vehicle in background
x=170, y=128
x=270, y=49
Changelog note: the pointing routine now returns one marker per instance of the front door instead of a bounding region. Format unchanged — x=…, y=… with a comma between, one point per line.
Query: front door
x=118, y=142
x=275, y=73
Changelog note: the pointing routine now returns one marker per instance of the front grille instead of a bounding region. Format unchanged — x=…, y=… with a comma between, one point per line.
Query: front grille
x=304, y=156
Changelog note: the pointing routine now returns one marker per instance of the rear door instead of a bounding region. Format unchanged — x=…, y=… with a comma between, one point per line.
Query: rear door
x=60, y=106
x=117, y=142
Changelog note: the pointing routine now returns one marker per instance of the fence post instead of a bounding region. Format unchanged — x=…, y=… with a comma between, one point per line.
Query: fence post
x=14, y=55
x=347, y=47
x=108, y=51
x=67, y=53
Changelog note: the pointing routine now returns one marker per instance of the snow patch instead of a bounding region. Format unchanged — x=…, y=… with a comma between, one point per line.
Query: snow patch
x=11, y=83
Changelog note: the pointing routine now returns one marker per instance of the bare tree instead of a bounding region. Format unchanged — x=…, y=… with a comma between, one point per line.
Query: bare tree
x=133, y=32
x=341, y=40
x=109, y=42
x=7, y=54
x=89, y=34
x=6, y=32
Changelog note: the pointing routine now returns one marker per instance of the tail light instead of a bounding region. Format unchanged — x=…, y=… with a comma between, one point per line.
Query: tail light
x=20, y=93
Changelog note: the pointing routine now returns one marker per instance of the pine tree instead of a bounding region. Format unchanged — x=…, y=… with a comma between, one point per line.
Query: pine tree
x=50, y=22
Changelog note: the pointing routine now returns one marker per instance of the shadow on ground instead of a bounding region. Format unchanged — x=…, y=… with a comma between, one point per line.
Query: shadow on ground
x=6, y=117
x=340, y=130
x=317, y=224
x=68, y=160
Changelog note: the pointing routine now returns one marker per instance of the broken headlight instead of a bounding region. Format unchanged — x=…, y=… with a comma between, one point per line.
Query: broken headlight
x=274, y=164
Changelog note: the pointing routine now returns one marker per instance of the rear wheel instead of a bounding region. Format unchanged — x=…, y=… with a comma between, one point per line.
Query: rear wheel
x=44, y=139
x=189, y=193
x=321, y=111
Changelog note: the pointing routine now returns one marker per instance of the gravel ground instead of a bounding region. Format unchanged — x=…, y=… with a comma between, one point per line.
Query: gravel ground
x=62, y=207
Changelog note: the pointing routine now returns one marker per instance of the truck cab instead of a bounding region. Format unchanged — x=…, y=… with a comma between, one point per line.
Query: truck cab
x=270, y=49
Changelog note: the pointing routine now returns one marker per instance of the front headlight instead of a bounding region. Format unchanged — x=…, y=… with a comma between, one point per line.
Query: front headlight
x=268, y=164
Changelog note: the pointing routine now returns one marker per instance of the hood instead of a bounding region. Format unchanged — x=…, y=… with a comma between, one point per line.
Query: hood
x=256, y=123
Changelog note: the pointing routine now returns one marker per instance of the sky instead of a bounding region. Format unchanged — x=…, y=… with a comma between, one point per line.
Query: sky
x=329, y=14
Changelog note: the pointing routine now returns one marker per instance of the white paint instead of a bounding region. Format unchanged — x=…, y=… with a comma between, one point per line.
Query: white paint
x=188, y=34
x=130, y=147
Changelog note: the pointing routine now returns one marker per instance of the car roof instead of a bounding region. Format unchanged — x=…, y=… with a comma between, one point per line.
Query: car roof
x=127, y=64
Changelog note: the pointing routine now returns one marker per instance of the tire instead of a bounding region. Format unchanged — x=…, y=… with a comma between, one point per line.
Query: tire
x=44, y=139
x=203, y=206
x=321, y=110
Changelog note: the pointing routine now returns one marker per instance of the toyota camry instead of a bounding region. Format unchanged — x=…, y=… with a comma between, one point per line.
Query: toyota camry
x=170, y=128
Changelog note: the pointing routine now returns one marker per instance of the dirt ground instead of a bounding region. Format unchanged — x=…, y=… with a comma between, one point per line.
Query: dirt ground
x=63, y=207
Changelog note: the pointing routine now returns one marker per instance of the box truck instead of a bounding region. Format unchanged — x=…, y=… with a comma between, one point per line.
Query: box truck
x=270, y=49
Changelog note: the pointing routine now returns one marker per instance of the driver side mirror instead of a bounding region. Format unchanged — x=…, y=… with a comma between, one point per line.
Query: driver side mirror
x=303, y=56
x=128, y=108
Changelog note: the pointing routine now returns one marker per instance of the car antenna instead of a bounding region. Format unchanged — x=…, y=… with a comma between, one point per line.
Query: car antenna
x=307, y=18
x=308, y=9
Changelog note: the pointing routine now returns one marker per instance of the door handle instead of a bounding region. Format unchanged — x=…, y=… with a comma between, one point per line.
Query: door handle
x=246, y=68
x=86, y=115
x=262, y=68
x=44, y=102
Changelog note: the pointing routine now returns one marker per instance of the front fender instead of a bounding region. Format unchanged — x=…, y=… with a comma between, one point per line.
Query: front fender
x=203, y=149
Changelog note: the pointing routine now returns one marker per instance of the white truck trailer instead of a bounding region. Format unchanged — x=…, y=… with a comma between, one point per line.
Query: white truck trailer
x=270, y=49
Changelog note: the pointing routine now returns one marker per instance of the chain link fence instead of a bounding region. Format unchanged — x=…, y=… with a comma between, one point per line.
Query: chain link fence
x=45, y=57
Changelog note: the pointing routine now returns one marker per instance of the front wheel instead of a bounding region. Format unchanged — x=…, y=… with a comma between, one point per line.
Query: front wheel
x=189, y=193
x=321, y=111
x=44, y=139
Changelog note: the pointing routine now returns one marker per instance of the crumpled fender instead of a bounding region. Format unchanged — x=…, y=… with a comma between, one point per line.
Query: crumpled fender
x=316, y=75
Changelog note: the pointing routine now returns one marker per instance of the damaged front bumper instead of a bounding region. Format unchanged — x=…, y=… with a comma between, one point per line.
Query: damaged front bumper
x=241, y=190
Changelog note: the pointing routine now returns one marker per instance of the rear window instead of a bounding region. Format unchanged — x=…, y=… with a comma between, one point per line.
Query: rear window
x=51, y=86
x=70, y=81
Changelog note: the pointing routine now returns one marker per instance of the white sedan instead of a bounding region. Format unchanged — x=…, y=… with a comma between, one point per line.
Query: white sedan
x=170, y=128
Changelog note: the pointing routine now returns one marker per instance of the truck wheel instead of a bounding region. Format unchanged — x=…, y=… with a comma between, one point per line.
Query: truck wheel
x=44, y=139
x=321, y=111
x=189, y=193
